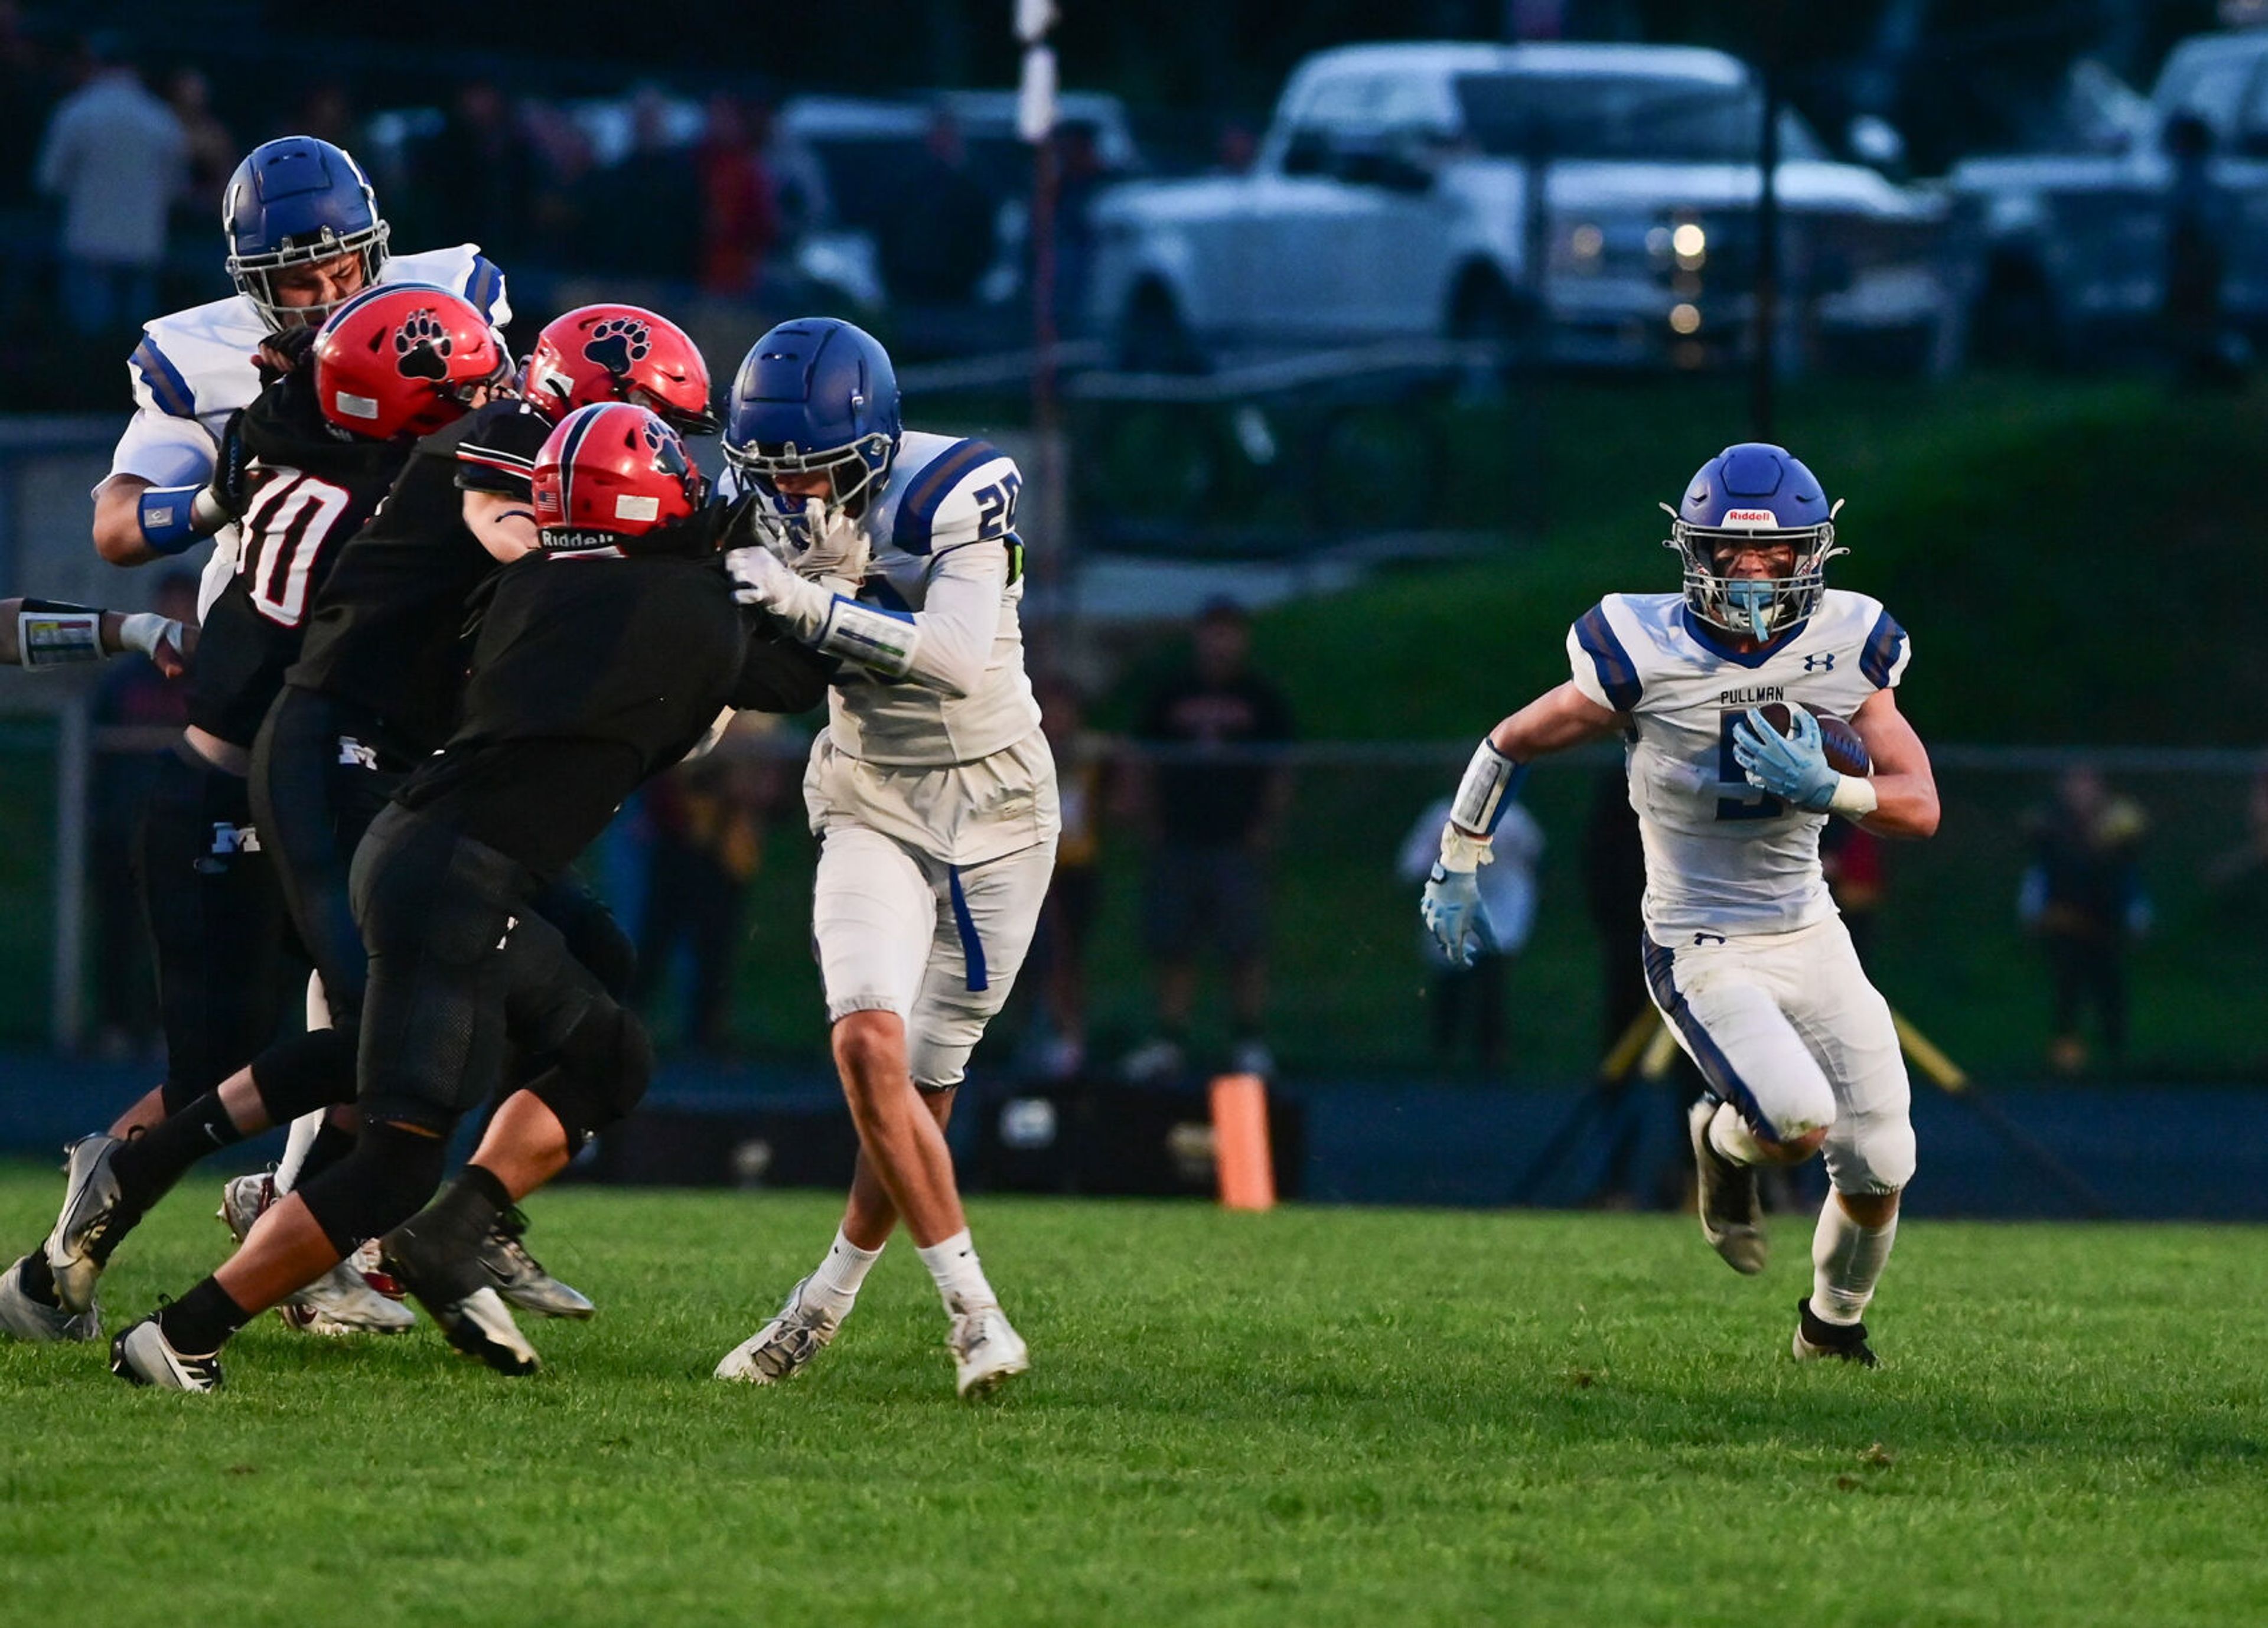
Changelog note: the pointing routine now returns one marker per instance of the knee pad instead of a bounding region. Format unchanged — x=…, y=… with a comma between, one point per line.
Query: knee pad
x=602, y=1070
x=390, y=1176
x=1871, y=1154
x=305, y=1072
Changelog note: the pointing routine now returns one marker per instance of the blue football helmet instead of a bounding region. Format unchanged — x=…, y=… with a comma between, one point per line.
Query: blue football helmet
x=1750, y=494
x=815, y=394
x=294, y=202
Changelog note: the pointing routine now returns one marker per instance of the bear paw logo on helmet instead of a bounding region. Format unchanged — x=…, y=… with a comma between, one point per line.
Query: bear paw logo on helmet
x=422, y=346
x=617, y=342
x=668, y=451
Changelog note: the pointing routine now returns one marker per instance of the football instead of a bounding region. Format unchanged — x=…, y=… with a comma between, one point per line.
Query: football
x=1847, y=753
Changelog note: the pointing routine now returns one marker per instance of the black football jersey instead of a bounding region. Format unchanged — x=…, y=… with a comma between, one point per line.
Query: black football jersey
x=310, y=489
x=386, y=633
x=590, y=676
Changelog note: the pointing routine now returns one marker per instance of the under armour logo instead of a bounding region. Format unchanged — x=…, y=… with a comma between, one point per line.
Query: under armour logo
x=1822, y=662
x=229, y=839
x=355, y=755
x=1700, y=938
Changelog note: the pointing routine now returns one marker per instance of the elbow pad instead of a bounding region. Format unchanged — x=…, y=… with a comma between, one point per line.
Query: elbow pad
x=51, y=634
x=176, y=518
x=880, y=640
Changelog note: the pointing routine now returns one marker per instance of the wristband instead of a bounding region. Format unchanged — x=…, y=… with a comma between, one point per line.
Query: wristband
x=1490, y=781
x=1462, y=850
x=145, y=630
x=871, y=637
x=1853, y=797
x=50, y=635
x=176, y=518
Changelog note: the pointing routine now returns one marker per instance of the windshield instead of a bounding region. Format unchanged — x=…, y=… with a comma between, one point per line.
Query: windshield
x=1619, y=116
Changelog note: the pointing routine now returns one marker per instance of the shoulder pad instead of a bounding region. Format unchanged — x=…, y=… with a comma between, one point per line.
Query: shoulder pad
x=463, y=269
x=965, y=494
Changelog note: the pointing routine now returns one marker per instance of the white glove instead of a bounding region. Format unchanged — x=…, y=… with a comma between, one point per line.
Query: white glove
x=759, y=578
x=837, y=546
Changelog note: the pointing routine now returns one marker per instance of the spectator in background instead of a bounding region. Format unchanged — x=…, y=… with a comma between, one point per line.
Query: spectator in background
x=1080, y=178
x=2205, y=352
x=799, y=181
x=326, y=112
x=133, y=695
x=642, y=216
x=1210, y=820
x=941, y=234
x=2082, y=897
x=707, y=816
x=479, y=175
x=1058, y=953
x=113, y=154
x=29, y=87
x=739, y=217
x=211, y=152
x=1470, y=998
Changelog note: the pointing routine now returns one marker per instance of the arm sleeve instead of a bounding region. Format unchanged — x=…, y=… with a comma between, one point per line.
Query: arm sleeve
x=777, y=674
x=959, y=618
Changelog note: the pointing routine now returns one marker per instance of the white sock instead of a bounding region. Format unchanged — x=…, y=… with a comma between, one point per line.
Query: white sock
x=1846, y=1259
x=1730, y=1134
x=837, y=1281
x=960, y=1278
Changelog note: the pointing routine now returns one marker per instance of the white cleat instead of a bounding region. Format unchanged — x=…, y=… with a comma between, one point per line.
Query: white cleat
x=75, y=1251
x=987, y=1354
x=1726, y=1198
x=23, y=1318
x=341, y=1301
x=481, y=1325
x=782, y=1347
x=244, y=1199
x=142, y=1355
x=519, y=1278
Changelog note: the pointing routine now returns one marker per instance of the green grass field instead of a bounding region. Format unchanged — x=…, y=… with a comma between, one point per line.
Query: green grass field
x=1316, y=1416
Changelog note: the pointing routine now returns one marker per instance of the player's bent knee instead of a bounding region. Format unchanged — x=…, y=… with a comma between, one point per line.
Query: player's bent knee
x=869, y=1047
x=606, y=1063
x=393, y=1173
x=1794, y=1149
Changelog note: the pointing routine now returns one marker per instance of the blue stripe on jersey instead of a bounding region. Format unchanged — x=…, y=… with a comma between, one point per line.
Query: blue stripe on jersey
x=483, y=285
x=1617, y=673
x=876, y=591
x=972, y=947
x=1881, y=652
x=166, y=385
x=1716, y=1067
x=918, y=513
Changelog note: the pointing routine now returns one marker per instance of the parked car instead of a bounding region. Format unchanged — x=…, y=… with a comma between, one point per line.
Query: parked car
x=1601, y=196
x=2066, y=256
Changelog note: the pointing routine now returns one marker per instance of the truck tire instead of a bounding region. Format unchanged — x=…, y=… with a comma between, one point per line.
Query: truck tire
x=1485, y=310
x=1152, y=337
x=2014, y=318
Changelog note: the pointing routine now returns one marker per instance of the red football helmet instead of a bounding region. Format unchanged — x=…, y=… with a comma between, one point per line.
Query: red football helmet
x=610, y=471
x=604, y=353
x=404, y=358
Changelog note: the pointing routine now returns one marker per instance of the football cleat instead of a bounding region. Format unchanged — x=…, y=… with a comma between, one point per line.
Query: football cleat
x=341, y=1301
x=471, y=1317
x=24, y=1318
x=987, y=1354
x=1816, y=1338
x=244, y=1199
x=142, y=1355
x=519, y=1278
x=77, y=1248
x=1726, y=1198
x=782, y=1347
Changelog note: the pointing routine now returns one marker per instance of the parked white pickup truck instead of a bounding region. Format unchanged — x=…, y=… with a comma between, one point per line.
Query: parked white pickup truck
x=1392, y=199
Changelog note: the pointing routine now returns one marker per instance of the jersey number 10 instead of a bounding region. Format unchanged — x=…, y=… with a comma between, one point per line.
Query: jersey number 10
x=285, y=529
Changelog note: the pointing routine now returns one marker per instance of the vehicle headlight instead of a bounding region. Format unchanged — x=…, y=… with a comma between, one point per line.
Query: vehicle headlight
x=1590, y=244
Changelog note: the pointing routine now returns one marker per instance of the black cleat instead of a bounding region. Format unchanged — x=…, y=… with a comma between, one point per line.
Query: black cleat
x=1816, y=1338
x=445, y=1279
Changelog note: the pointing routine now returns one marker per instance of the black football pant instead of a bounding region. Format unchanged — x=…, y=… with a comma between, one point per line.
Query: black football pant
x=217, y=924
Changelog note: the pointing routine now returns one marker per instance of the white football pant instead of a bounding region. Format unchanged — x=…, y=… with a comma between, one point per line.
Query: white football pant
x=1785, y=1027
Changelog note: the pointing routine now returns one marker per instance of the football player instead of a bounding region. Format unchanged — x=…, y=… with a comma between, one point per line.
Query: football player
x=602, y=659
x=1746, y=958
x=931, y=790
x=303, y=235
x=322, y=445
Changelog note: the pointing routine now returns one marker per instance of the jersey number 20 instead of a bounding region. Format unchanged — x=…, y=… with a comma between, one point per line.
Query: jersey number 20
x=285, y=529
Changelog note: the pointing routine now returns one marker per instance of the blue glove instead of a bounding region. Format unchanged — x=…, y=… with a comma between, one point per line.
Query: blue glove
x=1452, y=912
x=1794, y=768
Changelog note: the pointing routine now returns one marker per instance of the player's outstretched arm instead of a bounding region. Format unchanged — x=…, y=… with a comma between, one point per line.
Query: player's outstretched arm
x=46, y=633
x=1552, y=722
x=1906, y=790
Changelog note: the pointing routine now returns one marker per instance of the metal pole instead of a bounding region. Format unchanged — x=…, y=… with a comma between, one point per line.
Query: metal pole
x=1054, y=537
x=74, y=754
x=1762, y=380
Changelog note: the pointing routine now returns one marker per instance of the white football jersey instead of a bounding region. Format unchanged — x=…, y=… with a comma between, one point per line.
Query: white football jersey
x=195, y=367
x=1723, y=858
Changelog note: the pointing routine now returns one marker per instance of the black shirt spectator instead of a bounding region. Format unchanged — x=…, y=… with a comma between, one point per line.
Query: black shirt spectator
x=941, y=235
